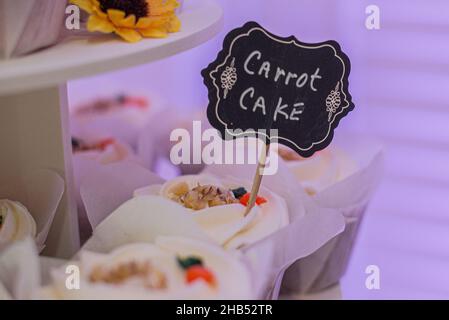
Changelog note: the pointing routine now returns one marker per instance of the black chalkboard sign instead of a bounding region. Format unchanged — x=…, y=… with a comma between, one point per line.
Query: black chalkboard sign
x=261, y=81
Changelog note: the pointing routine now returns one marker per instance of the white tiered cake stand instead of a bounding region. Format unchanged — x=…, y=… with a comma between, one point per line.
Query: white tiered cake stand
x=34, y=123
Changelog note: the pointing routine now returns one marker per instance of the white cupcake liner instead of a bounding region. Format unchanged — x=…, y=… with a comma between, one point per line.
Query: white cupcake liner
x=40, y=191
x=84, y=167
x=299, y=239
x=267, y=258
x=4, y=294
x=23, y=271
x=29, y=25
x=19, y=270
x=106, y=188
x=325, y=267
x=350, y=197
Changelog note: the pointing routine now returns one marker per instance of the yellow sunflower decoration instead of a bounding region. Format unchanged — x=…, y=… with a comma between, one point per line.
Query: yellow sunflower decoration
x=131, y=19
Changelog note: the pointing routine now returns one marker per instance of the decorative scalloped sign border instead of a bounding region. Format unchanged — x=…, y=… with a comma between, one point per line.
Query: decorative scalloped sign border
x=261, y=81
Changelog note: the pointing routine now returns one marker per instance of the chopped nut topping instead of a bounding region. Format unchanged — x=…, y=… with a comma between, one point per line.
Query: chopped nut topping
x=202, y=196
x=152, y=277
x=180, y=189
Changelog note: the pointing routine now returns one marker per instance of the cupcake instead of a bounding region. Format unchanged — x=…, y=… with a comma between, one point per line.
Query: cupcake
x=103, y=151
x=121, y=117
x=169, y=268
x=158, y=139
x=16, y=222
x=88, y=155
x=219, y=208
x=322, y=170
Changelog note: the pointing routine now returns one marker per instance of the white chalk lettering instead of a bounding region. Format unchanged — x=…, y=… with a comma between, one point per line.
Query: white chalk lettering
x=265, y=68
x=279, y=109
x=260, y=103
x=302, y=80
x=296, y=111
x=253, y=54
x=290, y=76
x=249, y=91
x=313, y=77
x=279, y=72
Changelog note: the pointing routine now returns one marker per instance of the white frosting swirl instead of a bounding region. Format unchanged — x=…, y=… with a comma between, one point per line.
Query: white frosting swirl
x=231, y=277
x=322, y=170
x=16, y=222
x=227, y=224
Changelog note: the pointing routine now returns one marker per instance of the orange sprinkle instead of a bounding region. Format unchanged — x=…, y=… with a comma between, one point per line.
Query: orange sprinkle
x=245, y=198
x=197, y=272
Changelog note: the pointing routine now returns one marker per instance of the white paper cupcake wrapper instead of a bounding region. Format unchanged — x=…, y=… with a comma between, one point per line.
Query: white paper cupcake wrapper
x=40, y=191
x=29, y=25
x=299, y=239
x=325, y=267
x=84, y=167
x=23, y=271
x=110, y=186
x=350, y=197
x=19, y=270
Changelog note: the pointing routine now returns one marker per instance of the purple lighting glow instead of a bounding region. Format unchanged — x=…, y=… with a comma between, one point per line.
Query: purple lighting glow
x=400, y=86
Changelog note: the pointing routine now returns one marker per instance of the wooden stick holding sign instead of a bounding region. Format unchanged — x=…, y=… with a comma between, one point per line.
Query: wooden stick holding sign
x=257, y=178
x=260, y=80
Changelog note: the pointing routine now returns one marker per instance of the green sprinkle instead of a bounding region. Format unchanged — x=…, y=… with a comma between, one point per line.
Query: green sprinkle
x=189, y=261
x=239, y=192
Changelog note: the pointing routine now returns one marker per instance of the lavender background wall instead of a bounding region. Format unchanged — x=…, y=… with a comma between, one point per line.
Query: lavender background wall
x=400, y=84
